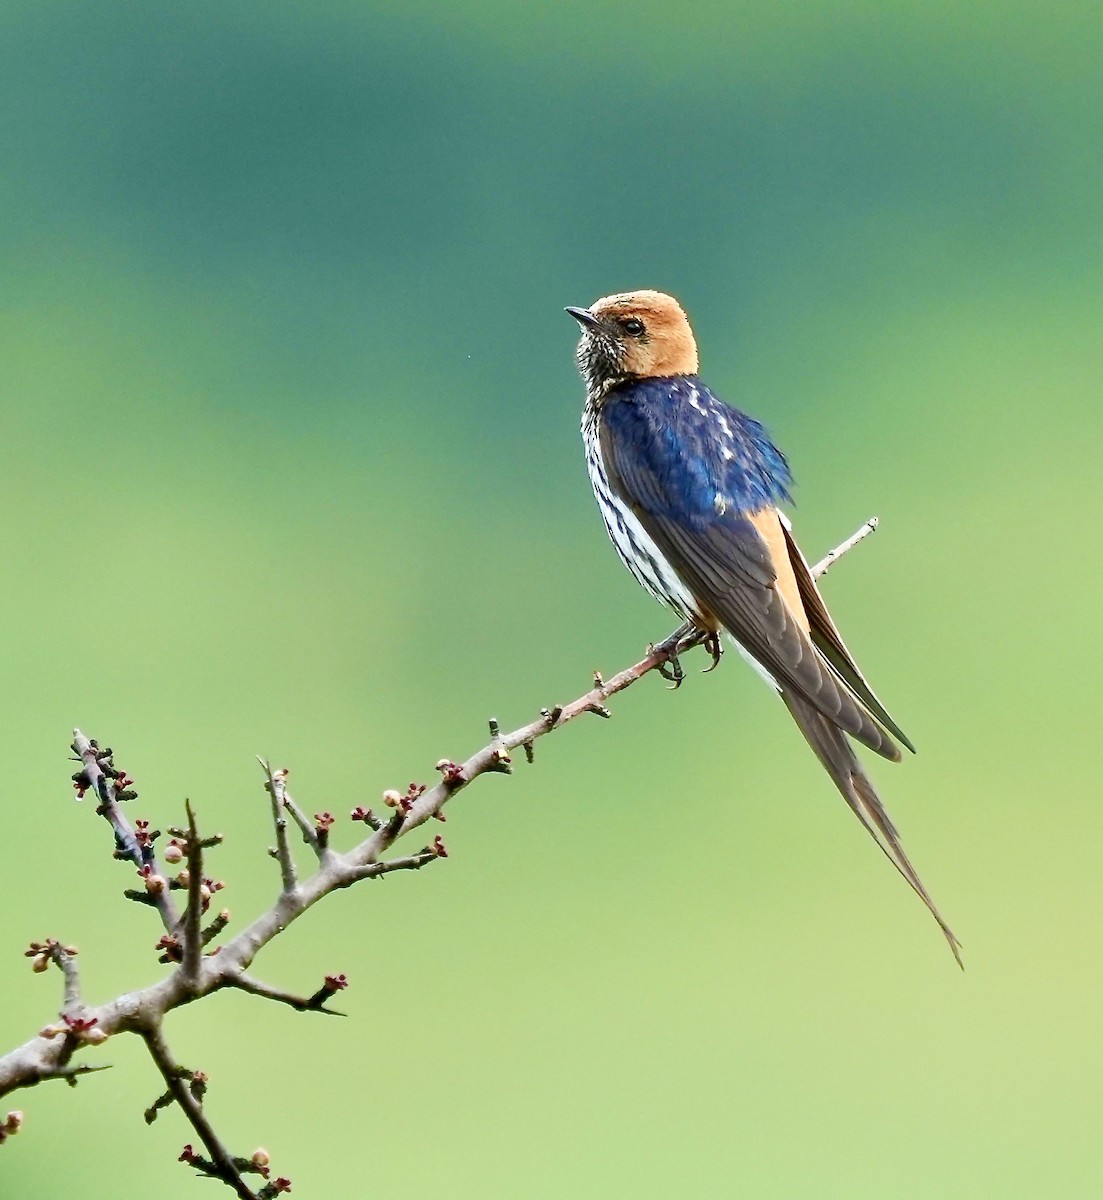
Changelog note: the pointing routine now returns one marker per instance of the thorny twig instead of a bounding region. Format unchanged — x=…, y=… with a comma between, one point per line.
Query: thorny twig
x=283, y=849
x=193, y=942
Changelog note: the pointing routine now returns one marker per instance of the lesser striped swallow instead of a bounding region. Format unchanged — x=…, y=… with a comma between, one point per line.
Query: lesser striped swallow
x=689, y=490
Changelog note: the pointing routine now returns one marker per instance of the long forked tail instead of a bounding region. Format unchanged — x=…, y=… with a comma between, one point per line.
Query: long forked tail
x=837, y=755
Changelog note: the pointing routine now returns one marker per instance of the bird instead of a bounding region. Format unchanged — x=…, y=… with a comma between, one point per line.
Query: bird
x=689, y=489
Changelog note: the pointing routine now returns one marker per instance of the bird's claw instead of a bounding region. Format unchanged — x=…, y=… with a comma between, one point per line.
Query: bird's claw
x=684, y=638
x=714, y=646
x=671, y=670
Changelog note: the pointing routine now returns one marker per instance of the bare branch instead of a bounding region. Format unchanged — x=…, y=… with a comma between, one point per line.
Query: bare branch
x=198, y=974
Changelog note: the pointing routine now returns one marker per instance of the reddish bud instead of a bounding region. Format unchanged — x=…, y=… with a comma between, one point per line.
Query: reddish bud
x=154, y=883
x=438, y=847
x=84, y=1028
x=169, y=947
x=452, y=772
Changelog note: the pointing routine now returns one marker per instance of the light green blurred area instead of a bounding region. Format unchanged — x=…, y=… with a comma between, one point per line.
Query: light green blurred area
x=292, y=467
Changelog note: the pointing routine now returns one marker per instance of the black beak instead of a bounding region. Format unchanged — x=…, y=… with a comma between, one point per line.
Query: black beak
x=584, y=317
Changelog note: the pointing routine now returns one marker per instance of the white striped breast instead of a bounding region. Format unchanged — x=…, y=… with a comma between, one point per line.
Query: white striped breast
x=634, y=544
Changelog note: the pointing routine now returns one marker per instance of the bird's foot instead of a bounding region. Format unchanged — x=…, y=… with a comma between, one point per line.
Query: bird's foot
x=685, y=637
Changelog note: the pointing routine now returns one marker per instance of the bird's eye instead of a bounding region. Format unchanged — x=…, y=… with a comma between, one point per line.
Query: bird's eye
x=633, y=326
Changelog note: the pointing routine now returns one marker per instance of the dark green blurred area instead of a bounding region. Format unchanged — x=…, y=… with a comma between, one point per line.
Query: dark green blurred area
x=292, y=467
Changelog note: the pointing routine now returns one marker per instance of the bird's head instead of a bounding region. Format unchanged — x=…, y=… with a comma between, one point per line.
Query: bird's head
x=633, y=335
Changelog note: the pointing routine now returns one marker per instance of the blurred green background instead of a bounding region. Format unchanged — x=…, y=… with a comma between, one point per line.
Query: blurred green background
x=291, y=466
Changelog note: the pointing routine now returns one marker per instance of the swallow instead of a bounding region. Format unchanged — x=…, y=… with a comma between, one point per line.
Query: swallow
x=689, y=489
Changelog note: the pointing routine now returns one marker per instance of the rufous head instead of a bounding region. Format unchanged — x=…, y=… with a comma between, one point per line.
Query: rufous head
x=633, y=335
